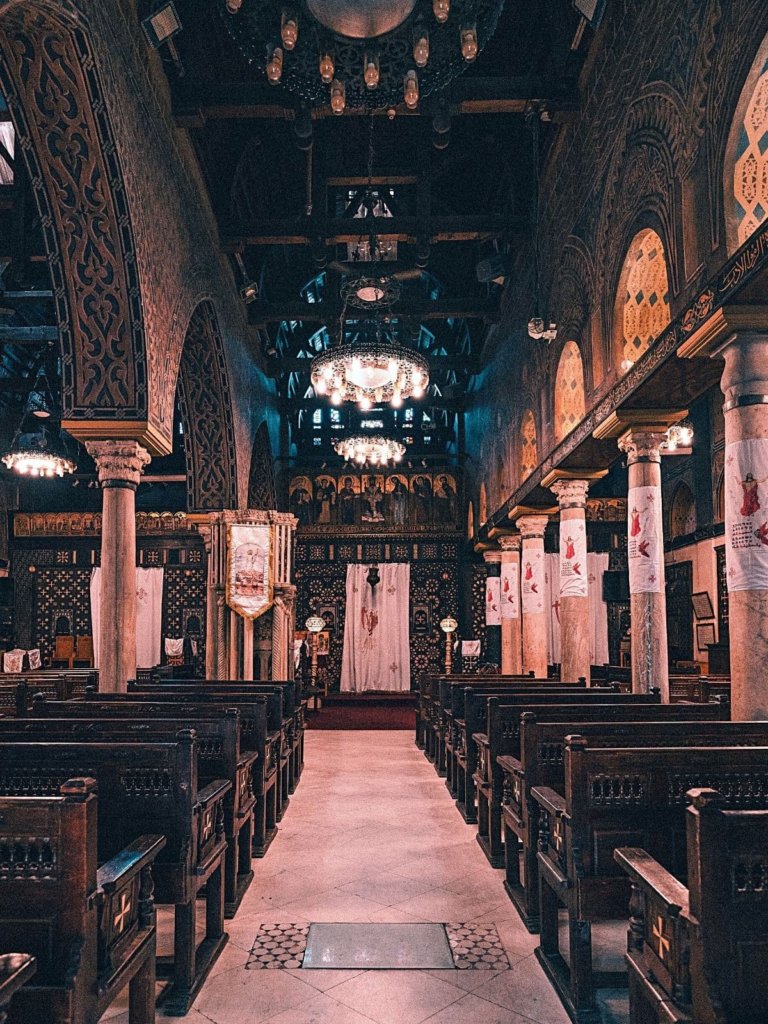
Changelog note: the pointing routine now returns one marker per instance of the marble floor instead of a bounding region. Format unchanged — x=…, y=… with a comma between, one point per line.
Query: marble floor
x=371, y=834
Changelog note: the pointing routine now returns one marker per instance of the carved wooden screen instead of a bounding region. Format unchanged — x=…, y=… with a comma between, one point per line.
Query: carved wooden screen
x=529, y=451
x=750, y=173
x=679, y=610
x=261, y=480
x=569, y=390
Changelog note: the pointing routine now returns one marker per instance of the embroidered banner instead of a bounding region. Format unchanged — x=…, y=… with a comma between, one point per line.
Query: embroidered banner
x=249, y=569
x=533, y=583
x=644, y=540
x=574, y=575
x=746, y=514
x=510, y=590
x=493, y=601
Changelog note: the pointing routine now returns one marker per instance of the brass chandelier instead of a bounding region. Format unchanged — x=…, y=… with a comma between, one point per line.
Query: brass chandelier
x=369, y=449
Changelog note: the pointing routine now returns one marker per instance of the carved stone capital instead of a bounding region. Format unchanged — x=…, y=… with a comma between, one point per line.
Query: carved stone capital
x=532, y=527
x=642, y=445
x=571, y=493
x=509, y=545
x=492, y=557
x=119, y=463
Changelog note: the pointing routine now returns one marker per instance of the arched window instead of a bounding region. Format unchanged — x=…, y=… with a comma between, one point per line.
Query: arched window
x=529, y=449
x=720, y=499
x=750, y=156
x=569, y=390
x=682, y=512
x=643, y=310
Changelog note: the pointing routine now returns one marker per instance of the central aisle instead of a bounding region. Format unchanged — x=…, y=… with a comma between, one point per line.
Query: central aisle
x=372, y=834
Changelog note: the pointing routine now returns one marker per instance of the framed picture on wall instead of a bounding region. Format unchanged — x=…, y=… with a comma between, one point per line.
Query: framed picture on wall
x=702, y=606
x=705, y=635
x=323, y=644
x=421, y=619
x=328, y=613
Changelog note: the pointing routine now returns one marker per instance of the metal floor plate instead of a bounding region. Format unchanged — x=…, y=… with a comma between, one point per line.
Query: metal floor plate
x=380, y=945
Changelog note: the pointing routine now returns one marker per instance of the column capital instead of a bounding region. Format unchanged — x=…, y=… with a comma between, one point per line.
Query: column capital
x=745, y=375
x=571, y=493
x=642, y=445
x=492, y=557
x=119, y=463
x=532, y=527
x=510, y=544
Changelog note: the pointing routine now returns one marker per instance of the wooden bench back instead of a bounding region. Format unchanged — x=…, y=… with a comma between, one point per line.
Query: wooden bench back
x=214, y=687
x=272, y=702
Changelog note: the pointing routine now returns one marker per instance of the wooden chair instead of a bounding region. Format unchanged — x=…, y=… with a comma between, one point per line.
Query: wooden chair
x=91, y=929
x=83, y=653
x=699, y=955
x=63, y=651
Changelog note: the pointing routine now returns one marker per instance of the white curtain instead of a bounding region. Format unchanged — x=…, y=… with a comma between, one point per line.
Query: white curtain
x=149, y=615
x=597, y=563
x=377, y=654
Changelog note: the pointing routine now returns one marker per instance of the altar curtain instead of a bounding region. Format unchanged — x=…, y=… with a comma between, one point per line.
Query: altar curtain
x=377, y=654
x=149, y=616
x=597, y=563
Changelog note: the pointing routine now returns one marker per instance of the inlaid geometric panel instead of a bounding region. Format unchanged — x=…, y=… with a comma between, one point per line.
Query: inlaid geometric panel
x=184, y=599
x=646, y=294
x=62, y=595
x=529, y=449
x=750, y=173
x=569, y=390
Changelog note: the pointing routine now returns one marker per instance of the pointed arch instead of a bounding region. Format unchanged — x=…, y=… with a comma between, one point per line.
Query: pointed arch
x=682, y=511
x=206, y=412
x=642, y=298
x=51, y=80
x=261, y=479
x=570, y=399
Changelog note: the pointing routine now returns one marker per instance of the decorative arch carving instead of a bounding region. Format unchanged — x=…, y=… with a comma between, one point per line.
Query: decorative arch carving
x=262, y=492
x=570, y=399
x=206, y=412
x=51, y=81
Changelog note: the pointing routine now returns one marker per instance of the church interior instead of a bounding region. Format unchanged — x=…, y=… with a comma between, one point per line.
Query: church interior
x=383, y=511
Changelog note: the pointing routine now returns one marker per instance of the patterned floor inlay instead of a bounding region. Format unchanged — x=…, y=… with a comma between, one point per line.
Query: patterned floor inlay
x=469, y=947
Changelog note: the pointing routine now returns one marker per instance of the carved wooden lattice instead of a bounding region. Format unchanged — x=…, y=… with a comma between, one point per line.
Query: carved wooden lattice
x=261, y=480
x=750, y=173
x=569, y=390
x=646, y=294
x=209, y=439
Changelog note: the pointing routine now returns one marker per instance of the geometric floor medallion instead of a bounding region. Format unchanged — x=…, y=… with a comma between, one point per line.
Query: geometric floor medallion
x=378, y=946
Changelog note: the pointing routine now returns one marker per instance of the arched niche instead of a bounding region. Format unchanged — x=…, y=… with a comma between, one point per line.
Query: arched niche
x=529, y=446
x=642, y=301
x=261, y=479
x=471, y=521
x=52, y=83
x=682, y=511
x=482, y=504
x=206, y=414
x=745, y=183
x=570, y=401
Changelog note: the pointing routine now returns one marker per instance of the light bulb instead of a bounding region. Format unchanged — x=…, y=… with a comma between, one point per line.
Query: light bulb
x=441, y=9
x=371, y=71
x=321, y=387
x=418, y=391
x=418, y=378
x=336, y=398
x=468, y=36
x=397, y=400
x=365, y=402
x=421, y=47
x=233, y=6
x=327, y=68
x=275, y=66
x=338, y=96
x=289, y=29
x=411, y=89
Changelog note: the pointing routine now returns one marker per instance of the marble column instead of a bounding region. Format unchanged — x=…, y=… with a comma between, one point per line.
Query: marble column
x=745, y=388
x=511, y=634
x=119, y=465
x=492, y=645
x=573, y=589
x=645, y=551
x=533, y=596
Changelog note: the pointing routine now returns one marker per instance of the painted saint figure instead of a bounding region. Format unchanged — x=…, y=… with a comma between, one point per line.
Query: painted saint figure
x=751, y=499
x=570, y=550
x=635, y=528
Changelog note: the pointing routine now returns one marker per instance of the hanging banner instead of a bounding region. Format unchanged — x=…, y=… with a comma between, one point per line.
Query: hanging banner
x=644, y=540
x=533, y=583
x=249, y=569
x=574, y=576
x=746, y=514
x=493, y=601
x=510, y=590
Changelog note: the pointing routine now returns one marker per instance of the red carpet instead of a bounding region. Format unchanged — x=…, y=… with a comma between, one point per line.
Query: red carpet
x=364, y=711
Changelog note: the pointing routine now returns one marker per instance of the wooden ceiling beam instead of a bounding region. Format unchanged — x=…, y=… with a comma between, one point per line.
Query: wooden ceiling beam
x=28, y=335
x=262, y=314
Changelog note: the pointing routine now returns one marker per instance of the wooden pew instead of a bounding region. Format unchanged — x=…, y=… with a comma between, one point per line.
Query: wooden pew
x=219, y=757
x=538, y=761
x=147, y=787
x=16, y=969
x=481, y=770
x=291, y=723
x=616, y=797
x=91, y=929
x=697, y=955
x=260, y=730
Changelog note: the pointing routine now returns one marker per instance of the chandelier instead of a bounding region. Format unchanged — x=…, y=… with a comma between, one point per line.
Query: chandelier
x=369, y=449
x=370, y=373
x=679, y=435
x=363, y=54
x=38, y=454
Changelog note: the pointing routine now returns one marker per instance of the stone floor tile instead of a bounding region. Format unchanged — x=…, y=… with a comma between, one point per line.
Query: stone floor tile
x=397, y=997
